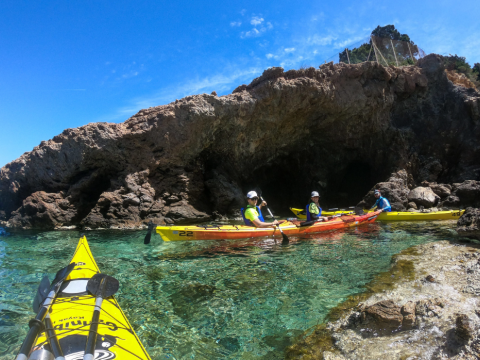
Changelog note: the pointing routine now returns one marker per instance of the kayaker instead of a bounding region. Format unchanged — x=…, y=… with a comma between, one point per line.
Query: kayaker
x=381, y=202
x=314, y=211
x=253, y=215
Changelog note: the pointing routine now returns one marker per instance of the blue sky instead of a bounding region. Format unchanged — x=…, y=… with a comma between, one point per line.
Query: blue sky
x=64, y=64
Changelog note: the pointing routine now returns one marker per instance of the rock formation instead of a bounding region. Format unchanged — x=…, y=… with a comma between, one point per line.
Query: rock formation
x=337, y=129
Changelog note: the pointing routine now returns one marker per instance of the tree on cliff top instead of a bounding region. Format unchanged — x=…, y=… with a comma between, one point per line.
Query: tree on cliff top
x=389, y=31
x=360, y=54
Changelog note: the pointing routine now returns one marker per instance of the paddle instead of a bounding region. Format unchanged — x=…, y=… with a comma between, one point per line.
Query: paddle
x=102, y=286
x=36, y=325
x=285, y=240
x=51, y=336
x=151, y=226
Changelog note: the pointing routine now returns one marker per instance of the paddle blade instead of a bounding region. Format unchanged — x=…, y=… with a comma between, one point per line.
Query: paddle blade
x=103, y=285
x=42, y=293
x=151, y=226
x=285, y=240
x=62, y=274
x=146, y=241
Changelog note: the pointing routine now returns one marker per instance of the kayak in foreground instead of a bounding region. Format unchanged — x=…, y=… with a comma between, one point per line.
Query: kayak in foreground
x=399, y=215
x=71, y=315
x=224, y=232
x=301, y=213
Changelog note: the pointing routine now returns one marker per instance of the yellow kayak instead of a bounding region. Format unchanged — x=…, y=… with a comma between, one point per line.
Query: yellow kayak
x=418, y=216
x=300, y=213
x=398, y=215
x=71, y=314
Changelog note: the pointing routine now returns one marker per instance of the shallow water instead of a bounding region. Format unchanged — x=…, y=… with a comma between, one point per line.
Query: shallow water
x=211, y=299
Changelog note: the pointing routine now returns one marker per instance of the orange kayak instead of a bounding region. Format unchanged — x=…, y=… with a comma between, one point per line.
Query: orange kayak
x=223, y=232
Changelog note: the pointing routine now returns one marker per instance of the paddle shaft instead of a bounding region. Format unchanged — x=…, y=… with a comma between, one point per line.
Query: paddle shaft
x=52, y=339
x=93, y=332
x=36, y=325
x=285, y=237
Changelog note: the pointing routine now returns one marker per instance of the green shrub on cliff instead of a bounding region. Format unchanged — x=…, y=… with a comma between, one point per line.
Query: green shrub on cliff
x=460, y=64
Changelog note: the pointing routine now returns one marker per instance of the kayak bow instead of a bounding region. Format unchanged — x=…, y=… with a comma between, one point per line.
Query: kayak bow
x=72, y=312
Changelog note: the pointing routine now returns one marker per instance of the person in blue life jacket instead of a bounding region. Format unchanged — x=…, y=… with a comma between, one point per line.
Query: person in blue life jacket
x=381, y=202
x=252, y=215
x=314, y=211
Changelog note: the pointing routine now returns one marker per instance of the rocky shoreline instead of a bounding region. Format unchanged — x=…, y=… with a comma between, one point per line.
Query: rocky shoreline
x=426, y=307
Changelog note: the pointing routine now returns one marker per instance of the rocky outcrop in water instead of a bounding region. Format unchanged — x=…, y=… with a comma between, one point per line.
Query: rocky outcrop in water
x=337, y=129
x=433, y=317
x=469, y=223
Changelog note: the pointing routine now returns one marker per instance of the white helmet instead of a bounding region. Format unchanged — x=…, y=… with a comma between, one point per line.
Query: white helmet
x=252, y=194
x=315, y=193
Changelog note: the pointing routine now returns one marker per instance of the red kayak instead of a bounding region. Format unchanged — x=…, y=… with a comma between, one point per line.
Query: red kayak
x=294, y=228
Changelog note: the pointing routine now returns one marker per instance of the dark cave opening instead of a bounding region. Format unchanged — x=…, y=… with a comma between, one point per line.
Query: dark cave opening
x=290, y=185
x=346, y=188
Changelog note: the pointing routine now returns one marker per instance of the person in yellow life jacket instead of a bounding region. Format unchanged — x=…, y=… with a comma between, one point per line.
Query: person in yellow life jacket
x=252, y=215
x=314, y=211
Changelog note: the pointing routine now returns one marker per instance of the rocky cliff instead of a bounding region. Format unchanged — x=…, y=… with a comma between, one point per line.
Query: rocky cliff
x=337, y=129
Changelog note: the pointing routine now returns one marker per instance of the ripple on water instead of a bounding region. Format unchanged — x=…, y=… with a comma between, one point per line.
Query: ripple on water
x=210, y=299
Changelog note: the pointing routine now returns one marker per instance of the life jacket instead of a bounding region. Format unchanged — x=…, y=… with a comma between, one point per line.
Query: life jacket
x=309, y=215
x=248, y=222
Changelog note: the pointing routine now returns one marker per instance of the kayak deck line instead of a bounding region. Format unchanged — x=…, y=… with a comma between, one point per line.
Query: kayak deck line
x=222, y=232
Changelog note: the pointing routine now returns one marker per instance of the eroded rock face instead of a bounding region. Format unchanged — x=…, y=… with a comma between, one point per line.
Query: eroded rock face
x=336, y=129
x=469, y=223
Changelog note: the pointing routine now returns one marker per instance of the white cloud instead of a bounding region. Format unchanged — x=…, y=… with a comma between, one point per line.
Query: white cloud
x=269, y=56
x=256, y=20
x=243, y=12
x=218, y=82
x=235, y=23
x=289, y=50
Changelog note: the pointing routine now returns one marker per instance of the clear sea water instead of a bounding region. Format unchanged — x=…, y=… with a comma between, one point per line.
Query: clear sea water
x=245, y=299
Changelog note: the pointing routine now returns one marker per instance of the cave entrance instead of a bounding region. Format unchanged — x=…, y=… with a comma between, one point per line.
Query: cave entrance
x=348, y=187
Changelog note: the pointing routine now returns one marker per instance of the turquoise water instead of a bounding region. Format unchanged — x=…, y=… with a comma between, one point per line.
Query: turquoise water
x=210, y=299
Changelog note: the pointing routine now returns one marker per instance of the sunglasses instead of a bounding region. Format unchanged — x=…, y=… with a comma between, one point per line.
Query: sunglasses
x=254, y=198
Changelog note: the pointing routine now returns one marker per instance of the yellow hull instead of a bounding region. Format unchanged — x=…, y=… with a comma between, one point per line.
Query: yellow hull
x=300, y=213
x=411, y=216
x=72, y=313
x=397, y=216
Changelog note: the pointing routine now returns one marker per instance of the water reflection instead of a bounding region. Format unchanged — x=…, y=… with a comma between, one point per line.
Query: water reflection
x=211, y=299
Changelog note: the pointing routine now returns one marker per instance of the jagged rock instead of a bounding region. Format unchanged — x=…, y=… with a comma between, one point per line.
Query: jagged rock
x=423, y=197
x=384, y=315
x=469, y=223
x=43, y=210
x=442, y=190
x=428, y=307
x=464, y=328
x=395, y=189
x=468, y=192
x=345, y=126
x=452, y=202
x=408, y=312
